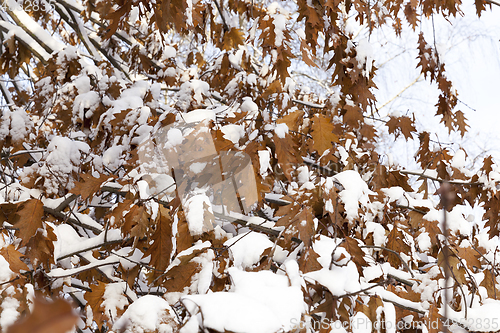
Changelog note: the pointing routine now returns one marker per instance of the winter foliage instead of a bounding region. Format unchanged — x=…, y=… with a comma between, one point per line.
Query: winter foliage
x=221, y=166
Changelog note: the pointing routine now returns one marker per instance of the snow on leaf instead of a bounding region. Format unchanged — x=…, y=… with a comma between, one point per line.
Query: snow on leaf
x=149, y=314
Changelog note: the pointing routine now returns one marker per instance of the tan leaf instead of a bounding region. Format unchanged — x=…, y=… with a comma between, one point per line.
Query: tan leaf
x=489, y=282
x=41, y=247
x=401, y=125
x=12, y=256
x=232, y=39
x=433, y=320
x=470, y=256
x=322, y=134
x=47, y=317
x=161, y=249
x=308, y=261
x=136, y=222
x=88, y=185
x=180, y=276
x=28, y=219
x=184, y=240
x=94, y=300
x=287, y=154
x=396, y=242
x=357, y=255
x=292, y=120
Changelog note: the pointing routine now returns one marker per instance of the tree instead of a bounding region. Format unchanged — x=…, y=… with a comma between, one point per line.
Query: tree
x=178, y=166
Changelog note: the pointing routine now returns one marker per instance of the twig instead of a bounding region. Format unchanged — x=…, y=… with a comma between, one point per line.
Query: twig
x=493, y=2
x=354, y=293
x=71, y=220
x=111, y=242
x=393, y=252
x=412, y=208
x=453, y=182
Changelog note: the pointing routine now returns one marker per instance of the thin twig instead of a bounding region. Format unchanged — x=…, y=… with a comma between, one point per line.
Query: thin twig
x=393, y=252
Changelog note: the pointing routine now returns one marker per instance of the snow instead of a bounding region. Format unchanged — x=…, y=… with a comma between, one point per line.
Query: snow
x=355, y=192
x=281, y=130
x=248, y=104
x=378, y=231
x=15, y=124
x=482, y=318
x=259, y=302
x=114, y=298
x=112, y=157
x=339, y=279
x=455, y=220
x=5, y=272
x=279, y=25
x=9, y=313
x=303, y=175
x=174, y=136
x=264, y=159
x=195, y=116
x=25, y=38
x=458, y=160
x=424, y=241
x=197, y=207
x=195, y=90
x=147, y=314
x=40, y=33
x=246, y=249
x=169, y=51
x=233, y=132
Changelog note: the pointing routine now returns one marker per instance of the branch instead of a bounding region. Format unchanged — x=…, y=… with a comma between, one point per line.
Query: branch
x=26, y=40
x=393, y=252
x=399, y=93
x=308, y=104
x=354, y=293
x=454, y=182
x=403, y=306
x=71, y=220
x=412, y=208
x=96, y=246
x=6, y=95
x=493, y=2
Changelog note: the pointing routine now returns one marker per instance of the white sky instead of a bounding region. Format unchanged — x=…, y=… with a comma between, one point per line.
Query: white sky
x=471, y=51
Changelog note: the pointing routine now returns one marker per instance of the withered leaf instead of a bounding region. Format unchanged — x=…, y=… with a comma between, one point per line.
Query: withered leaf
x=12, y=256
x=161, y=249
x=88, y=185
x=322, y=134
x=28, y=219
x=47, y=317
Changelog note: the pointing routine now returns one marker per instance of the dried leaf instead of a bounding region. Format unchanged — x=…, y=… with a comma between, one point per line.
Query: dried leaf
x=161, y=249
x=47, y=317
x=12, y=256
x=89, y=186
x=357, y=255
x=28, y=219
x=322, y=134
x=396, y=242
